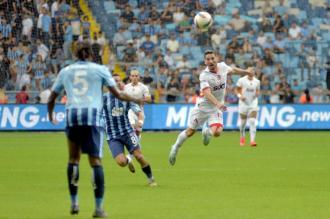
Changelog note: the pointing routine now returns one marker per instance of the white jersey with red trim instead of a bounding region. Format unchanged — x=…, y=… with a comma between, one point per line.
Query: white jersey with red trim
x=138, y=91
x=217, y=82
x=249, y=91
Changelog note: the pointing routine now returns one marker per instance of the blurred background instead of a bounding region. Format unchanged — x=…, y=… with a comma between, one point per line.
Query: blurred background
x=287, y=41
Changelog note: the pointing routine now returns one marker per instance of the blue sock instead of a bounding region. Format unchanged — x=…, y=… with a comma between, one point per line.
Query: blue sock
x=73, y=178
x=98, y=183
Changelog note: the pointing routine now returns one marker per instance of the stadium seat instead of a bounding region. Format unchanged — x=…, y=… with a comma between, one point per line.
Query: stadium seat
x=293, y=3
x=270, y=34
x=136, y=12
x=194, y=63
x=249, y=18
x=195, y=49
x=170, y=27
x=133, y=3
x=244, y=34
x=221, y=20
x=267, y=70
x=248, y=55
x=222, y=50
x=326, y=35
x=302, y=15
x=163, y=44
x=317, y=21
x=231, y=33
x=110, y=7
x=177, y=56
x=184, y=50
x=119, y=52
x=257, y=49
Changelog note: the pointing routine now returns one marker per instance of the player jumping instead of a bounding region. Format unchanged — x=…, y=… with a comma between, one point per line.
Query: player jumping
x=210, y=106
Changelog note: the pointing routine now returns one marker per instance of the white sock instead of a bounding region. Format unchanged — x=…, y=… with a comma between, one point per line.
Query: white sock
x=208, y=131
x=253, y=129
x=242, y=127
x=181, y=138
x=129, y=158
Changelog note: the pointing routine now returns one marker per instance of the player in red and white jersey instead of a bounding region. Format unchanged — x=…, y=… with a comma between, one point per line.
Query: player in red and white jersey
x=210, y=106
x=247, y=90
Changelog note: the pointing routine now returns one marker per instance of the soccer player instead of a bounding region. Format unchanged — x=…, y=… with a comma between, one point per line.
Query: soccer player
x=120, y=133
x=247, y=90
x=83, y=82
x=210, y=105
x=138, y=90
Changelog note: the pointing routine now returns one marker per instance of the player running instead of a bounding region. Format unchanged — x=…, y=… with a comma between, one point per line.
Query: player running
x=120, y=133
x=83, y=83
x=210, y=105
x=247, y=90
x=138, y=90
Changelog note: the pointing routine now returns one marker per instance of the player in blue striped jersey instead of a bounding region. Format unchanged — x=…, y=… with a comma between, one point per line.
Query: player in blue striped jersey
x=120, y=133
x=83, y=82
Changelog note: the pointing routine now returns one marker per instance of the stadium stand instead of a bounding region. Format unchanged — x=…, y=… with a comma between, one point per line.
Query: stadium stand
x=287, y=41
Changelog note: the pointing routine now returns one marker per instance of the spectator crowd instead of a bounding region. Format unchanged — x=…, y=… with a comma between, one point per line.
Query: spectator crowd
x=37, y=38
x=286, y=40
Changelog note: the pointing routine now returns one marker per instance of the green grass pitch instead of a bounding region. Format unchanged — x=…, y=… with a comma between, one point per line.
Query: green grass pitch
x=286, y=177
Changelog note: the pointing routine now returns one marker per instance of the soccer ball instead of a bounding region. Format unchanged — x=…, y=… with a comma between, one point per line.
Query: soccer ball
x=203, y=20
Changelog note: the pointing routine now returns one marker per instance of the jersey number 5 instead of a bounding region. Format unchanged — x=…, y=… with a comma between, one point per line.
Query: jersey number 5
x=80, y=83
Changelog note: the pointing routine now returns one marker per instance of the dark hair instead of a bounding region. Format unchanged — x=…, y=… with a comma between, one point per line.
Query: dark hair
x=308, y=97
x=84, y=51
x=115, y=74
x=208, y=52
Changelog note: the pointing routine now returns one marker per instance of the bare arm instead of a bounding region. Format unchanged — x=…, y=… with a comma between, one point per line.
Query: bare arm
x=51, y=105
x=147, y=99
x=239, y=71
x=140, y=116
x=238, y=92
x=209, y=96
x=123, y=96
x=257, y=93
x=146, y=95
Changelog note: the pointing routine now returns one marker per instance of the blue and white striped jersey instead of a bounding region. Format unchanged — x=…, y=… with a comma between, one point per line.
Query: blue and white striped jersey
x=83, y=83
x=116, y=116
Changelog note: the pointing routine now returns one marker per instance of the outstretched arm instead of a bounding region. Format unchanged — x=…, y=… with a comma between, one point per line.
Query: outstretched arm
x=239, y=71
x=123, y=96
x=210, y=97
x=238, y=91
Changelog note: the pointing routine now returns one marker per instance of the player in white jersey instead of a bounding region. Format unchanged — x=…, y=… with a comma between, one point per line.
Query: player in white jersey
x=137, y=89
x=247, y=90
x=210, y=105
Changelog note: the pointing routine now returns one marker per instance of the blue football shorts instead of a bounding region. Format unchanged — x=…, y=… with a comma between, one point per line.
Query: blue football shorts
x=89, y=138
x=129, y=141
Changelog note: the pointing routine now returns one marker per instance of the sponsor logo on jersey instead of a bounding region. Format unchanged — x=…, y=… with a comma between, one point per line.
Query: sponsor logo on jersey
x=219, y=87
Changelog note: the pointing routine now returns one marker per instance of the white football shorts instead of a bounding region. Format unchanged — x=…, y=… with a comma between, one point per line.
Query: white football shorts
x=199, y=117
x=246, y=109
